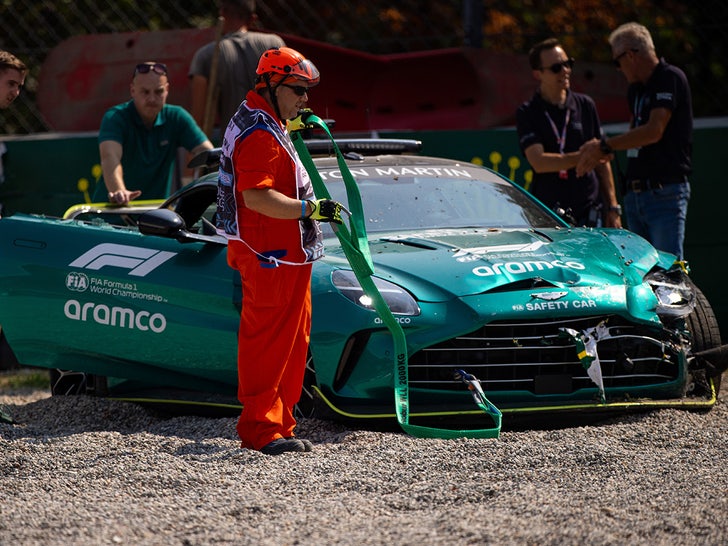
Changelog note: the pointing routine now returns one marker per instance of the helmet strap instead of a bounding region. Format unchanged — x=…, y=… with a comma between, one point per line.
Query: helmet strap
x=273, y=97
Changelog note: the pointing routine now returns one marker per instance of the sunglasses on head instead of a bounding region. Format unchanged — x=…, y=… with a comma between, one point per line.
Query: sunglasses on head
x=299, y=90
x=558, y=67
x=157, y=68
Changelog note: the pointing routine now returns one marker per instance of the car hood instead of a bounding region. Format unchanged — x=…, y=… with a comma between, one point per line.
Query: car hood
x=436, y=265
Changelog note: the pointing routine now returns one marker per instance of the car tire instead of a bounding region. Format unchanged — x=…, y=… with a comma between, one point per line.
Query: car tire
x=310, y=405
x=704, y=329
x=70, y=383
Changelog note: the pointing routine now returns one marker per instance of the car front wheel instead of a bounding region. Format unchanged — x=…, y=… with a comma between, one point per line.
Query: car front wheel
x=705, y=331
x=310, y=405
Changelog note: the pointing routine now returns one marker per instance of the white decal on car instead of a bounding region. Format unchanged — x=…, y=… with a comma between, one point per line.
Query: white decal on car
x=77, y=282
x=401, y=320
x=422, y=171
x=121, y=317
x=555, y=305
x=547, y=305
x=472, y=254
x=549, y=296
x=140, y=261
x=523, y=267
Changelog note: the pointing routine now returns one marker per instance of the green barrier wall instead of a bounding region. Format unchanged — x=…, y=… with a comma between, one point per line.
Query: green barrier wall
x=48, y=173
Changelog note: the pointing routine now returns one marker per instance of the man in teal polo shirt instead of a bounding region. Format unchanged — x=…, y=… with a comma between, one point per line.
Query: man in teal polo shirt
x=139, y=139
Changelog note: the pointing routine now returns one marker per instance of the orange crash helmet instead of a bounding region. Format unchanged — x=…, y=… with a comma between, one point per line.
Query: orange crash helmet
x=278, y=64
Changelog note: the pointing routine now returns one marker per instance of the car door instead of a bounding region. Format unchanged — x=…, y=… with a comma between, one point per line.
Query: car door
x=108, y=300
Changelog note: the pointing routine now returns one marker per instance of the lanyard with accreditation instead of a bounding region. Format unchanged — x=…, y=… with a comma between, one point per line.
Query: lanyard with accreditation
x=355, y=245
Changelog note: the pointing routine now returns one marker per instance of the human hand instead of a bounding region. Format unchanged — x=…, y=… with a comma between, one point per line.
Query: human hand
x=326, y=210
x=612, y=219
x=590, y=155
x=300, y=122
x=122, y=197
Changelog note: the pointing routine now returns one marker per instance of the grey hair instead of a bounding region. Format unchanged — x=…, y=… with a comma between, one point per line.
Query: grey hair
x=631, y=36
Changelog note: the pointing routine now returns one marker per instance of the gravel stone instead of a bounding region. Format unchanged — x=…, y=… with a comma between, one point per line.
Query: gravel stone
x=87, y=471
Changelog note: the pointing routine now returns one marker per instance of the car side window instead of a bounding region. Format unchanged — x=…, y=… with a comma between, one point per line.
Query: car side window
x=197, y=208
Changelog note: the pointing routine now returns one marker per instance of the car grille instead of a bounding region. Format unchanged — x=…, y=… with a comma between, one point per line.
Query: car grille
x=536, y=356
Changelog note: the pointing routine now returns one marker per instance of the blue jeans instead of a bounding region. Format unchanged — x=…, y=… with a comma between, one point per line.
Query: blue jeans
x=659, y=216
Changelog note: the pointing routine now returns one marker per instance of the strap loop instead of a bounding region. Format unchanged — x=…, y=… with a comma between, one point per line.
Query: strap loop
x=355, y=244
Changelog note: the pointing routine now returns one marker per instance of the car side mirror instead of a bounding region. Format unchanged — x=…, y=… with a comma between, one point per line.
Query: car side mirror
x=167, y=223
x=161, y=222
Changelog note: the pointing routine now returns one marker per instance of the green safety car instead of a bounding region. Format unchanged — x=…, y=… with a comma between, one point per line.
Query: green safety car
x=485, y=281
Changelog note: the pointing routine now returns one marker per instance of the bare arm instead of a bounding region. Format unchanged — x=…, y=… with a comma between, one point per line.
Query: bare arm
x=198, y=88
x=548, y=162
x=190, y=174
x=609, y=195
x=207, y=145
x=642, y=135
x=110, y=152
x=274, y=204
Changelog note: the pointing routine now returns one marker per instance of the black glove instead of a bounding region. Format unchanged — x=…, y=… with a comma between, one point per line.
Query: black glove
x=326, y=210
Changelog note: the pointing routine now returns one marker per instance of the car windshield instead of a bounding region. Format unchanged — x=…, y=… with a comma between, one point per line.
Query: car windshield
x=395, y=197
x=396, y=200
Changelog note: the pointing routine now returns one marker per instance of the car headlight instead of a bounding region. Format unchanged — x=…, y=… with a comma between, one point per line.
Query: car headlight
x=400, y=301
x=675, y=296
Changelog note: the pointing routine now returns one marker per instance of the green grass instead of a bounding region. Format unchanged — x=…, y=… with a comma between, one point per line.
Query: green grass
x=33, y=378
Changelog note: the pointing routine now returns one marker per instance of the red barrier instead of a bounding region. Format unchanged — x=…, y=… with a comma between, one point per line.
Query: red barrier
x=462, y=88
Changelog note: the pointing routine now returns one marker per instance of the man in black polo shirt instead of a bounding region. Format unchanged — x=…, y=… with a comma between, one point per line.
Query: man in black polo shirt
x=658, y=144
x=551, y=128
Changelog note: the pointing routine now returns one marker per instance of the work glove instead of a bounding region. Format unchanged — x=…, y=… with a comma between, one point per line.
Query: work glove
x=300, y=122
x=326, y=210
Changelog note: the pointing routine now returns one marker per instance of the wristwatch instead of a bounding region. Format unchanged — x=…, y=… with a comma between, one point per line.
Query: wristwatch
x=604, y=147
x=615, y=208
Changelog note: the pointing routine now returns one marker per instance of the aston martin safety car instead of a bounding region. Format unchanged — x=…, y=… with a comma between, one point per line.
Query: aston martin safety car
x=139, y=303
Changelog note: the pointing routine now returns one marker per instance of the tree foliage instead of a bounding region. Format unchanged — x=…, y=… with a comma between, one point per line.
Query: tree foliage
x=692, y=35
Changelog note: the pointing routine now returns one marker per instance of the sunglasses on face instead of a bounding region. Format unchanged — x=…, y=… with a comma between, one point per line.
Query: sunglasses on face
x=157, y=68
x=299, y=90
x=558, y=67
x=618, y=59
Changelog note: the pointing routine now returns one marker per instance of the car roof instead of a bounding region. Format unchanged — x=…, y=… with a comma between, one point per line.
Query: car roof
x=352, y=148
x=385, y=160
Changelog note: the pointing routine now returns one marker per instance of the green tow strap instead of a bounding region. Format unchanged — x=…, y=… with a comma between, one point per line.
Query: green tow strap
x=355, y=244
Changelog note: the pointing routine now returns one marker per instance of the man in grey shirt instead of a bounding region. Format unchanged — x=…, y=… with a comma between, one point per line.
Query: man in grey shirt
x=237, y=57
